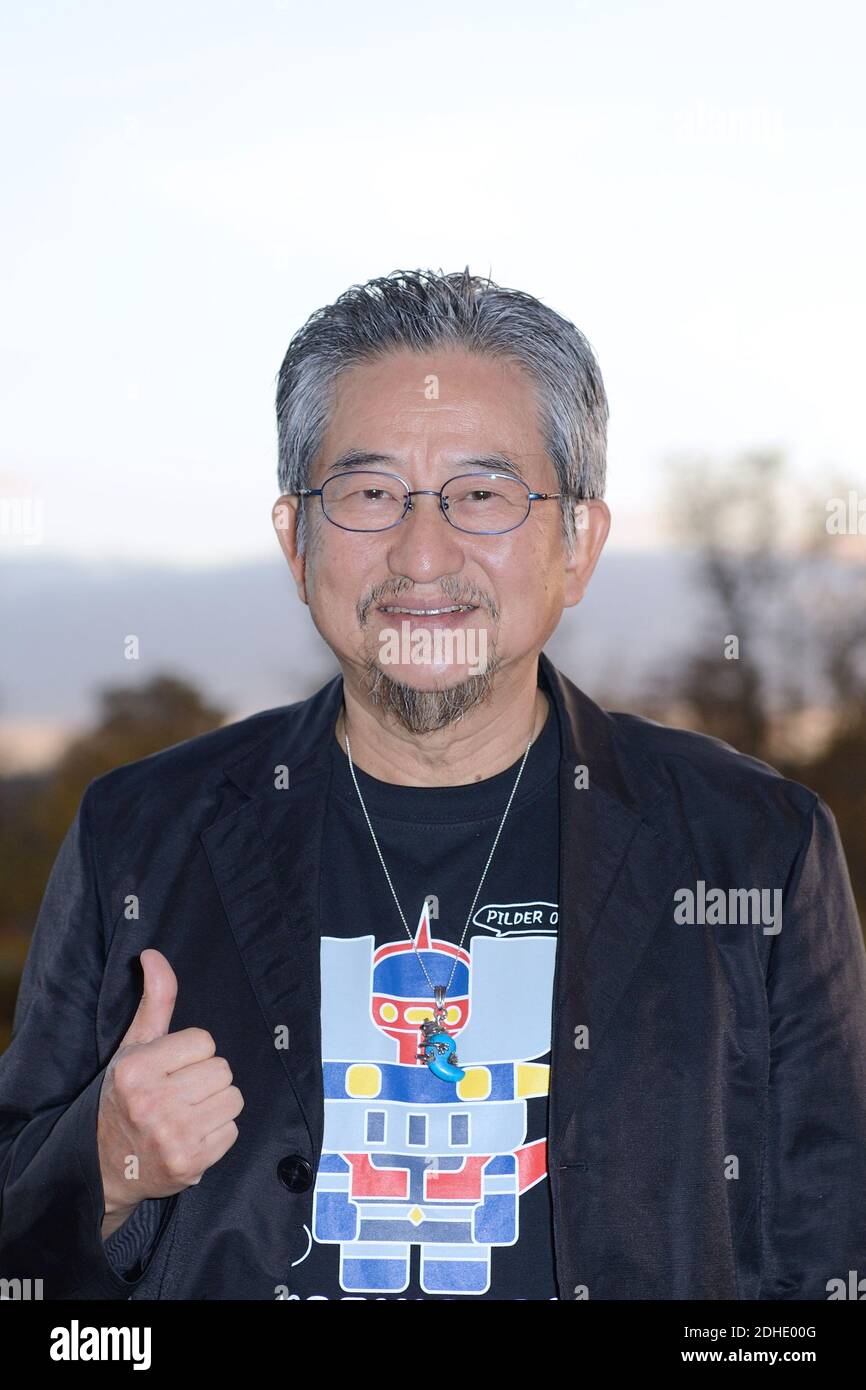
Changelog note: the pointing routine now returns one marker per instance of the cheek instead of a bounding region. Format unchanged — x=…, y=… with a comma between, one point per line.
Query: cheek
x=533, y=584
x=340, y=575
x=521, y=569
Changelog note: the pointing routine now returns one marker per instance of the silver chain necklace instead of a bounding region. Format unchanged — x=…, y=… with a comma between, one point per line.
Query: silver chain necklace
x=437, y=1048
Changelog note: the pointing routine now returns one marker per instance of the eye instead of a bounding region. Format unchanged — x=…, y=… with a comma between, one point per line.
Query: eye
x=476, y=494
x=373, y=494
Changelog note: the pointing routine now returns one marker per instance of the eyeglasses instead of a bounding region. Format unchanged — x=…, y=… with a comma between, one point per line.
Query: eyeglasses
x=484, y=504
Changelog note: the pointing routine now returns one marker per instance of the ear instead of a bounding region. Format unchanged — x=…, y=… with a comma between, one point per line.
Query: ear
x=592, y=523
x=284, y=516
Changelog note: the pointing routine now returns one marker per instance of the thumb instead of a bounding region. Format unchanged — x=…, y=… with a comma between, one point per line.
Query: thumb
x=153, y=1015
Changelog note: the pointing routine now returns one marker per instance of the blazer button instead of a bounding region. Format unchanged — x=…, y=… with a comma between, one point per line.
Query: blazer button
x=295, y=1173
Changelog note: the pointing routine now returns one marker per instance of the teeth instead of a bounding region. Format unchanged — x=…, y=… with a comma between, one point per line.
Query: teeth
x=428, y=612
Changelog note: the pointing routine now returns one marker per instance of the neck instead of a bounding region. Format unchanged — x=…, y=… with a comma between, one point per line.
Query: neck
x=487, y=740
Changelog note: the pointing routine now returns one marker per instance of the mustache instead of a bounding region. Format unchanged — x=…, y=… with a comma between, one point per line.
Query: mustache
x=389, y=593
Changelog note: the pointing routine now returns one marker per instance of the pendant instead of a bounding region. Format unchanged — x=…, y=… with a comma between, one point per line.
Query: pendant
x=437, y=1048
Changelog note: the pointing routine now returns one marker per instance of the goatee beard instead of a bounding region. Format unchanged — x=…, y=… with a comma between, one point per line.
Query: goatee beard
x=425, y=711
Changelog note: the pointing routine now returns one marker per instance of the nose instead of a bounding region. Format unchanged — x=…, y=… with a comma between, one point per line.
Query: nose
x=424, y=545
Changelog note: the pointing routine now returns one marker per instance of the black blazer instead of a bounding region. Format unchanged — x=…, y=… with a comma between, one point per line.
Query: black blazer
x=708, y=1143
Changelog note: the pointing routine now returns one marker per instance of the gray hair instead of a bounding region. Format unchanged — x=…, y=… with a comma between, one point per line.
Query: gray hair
x=422, y=310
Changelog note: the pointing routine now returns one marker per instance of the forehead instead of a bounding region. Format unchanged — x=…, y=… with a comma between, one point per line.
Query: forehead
x=438, y=403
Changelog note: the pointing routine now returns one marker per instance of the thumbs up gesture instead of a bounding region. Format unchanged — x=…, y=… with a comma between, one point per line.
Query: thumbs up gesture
x=166, y=1099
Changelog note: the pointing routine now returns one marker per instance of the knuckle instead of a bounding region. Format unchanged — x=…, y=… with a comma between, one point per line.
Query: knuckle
x=126, y=1074
x=139, y=1108
x=176, y=1163
x=204, y=1039
x=164, y=1137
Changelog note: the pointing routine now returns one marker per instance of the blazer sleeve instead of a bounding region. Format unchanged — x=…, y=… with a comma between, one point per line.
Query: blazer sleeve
x=813, y=1211
x=51, y=1196
x=129, y=1247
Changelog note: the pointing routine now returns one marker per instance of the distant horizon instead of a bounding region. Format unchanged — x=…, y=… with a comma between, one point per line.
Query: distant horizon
x=239, y=632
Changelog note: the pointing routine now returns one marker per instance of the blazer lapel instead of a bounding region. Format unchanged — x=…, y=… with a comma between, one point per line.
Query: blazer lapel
x=618, y=872
x=266, y=859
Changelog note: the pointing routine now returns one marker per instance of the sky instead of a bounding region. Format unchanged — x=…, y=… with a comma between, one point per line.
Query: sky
x=184, y=184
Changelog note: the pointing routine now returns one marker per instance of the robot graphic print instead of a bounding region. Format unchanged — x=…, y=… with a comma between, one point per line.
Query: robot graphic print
x=413, y=1160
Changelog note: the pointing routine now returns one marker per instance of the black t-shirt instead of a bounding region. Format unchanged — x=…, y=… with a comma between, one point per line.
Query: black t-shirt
x=428, y=1187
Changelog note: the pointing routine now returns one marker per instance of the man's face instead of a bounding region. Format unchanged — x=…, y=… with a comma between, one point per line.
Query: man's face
x=430, y=414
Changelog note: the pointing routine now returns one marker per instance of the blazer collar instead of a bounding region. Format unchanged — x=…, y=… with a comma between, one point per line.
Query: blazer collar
x=301, y=741
x=619, y=864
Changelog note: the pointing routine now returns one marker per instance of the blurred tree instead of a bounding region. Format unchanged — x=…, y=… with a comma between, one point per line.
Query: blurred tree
x=730, y=519
x=838, y=774
x=37, y=811
x=777, y=579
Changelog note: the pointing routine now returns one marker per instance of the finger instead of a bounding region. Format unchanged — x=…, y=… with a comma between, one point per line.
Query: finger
x=216, y=1111
x=152, y=1018
x=185, y=1048
x=198, y=1081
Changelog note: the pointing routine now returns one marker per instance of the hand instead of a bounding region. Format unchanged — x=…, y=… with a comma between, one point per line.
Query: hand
x=165, y=1098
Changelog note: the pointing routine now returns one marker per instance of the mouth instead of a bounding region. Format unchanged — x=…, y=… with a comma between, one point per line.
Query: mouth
x=424, y=612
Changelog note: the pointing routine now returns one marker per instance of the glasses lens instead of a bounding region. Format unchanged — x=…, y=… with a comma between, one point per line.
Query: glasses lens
x=488, y=502
x=362, y=501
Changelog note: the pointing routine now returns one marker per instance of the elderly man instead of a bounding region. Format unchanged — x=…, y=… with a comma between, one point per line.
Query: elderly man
x=427, y=1008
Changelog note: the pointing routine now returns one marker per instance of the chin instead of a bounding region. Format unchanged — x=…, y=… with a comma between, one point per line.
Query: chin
x=427, y=677
x=424, y=700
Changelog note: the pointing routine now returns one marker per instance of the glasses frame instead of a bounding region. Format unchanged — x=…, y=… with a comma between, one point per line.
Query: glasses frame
x=425, y=492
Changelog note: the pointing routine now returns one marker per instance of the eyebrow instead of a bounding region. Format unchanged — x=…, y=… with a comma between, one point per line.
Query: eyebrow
x=364, y=458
